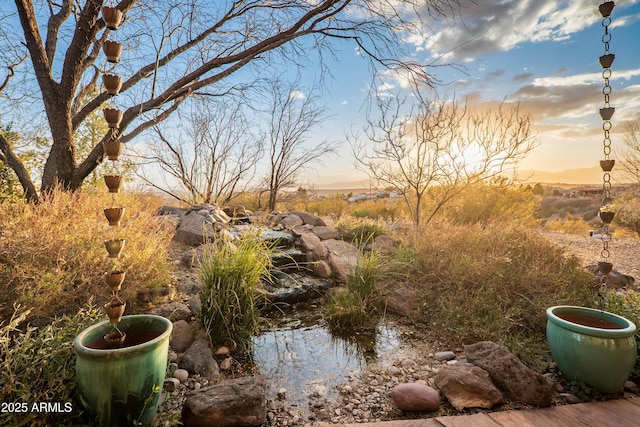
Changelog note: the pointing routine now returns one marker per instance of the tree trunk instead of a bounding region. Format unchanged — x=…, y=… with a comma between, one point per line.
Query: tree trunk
x=14, y=163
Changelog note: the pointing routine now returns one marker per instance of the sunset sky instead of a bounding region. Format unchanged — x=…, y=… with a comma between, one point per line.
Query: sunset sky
x=543, y=54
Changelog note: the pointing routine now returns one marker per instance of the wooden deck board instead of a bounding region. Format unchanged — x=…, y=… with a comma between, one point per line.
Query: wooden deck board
x=475, y=420
x=618, y=413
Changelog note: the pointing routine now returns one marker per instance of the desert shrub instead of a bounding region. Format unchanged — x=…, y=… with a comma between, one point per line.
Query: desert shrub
x=627, y=305
x=493, y=283
x=357, y=304
x=485, y=203
x=38, y=365
x=333, y=206
x=585, y=207
x=569, y=224
x=52, y=255
x=230, y=274
x=360, y=231
x=627, y=208
x=384, y=209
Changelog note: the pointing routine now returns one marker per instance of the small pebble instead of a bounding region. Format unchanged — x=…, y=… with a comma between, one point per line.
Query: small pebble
x=445, y=355
x=181, y=375
x=282, y=393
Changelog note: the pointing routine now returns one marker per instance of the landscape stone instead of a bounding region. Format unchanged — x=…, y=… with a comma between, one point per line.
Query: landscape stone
x=445, y=355
x=199, y=360
x=415, y=397
x=308, y=218
x=172, y=210
x=181, y=375
x=343, y=258
x=326, y=233
x=181, y=336
x=173, y=311
x=322, y=269
x=170, y=384
x=404, y=301
x=467, y=386
x=239, y=402
x=517, y=382
x=308, y=241
x=291, y=221
x=195, y=304
x=194, y=230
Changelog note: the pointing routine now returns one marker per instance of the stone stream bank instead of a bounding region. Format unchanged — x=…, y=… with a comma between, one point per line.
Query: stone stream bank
x=208, y=387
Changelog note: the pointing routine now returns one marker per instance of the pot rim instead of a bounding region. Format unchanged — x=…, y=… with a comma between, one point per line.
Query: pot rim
x=90, y=353
x=628, y=327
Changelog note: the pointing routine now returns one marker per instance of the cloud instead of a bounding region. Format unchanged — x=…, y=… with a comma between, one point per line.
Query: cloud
x=487, y=27
x=296, y=94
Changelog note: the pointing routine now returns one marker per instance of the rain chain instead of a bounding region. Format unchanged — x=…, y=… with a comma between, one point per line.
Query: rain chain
x=112, y=150
x=606, y=214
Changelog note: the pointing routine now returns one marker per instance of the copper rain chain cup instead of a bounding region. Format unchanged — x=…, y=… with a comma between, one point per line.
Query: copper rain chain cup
x=607, y=165
x=112, y=17
x=112, y=83
x=114, y=247
x=114, y=279
x=113, y=117
x=112, y=149
x=114, y=215
x=115, y=309
x=112, y=50
x=113, y=182
x=607, y=112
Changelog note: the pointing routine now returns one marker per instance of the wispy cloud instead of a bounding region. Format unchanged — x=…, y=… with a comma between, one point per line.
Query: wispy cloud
x=296, y=94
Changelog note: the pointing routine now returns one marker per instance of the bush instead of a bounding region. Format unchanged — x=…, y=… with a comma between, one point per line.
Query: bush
x=231, y=274
x=333, y=206
x=570, y=224
x=357, y=304
x=52, y=255
x=360, y=231
x=38, y=365
x=385, y=209
x=494, y=283
x=627, y=208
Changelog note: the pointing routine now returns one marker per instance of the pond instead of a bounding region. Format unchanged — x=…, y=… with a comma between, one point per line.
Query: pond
x=300, y=354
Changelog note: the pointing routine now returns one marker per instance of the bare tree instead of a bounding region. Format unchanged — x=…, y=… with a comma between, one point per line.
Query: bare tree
x=630, y=152
x=292, y=116
x=175, y=49
x=215, y=159
x=443, y=145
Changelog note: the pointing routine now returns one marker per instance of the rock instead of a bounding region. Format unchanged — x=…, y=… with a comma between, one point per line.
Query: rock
x=325, y=233
x=308, y=218
x=415, y=397
x=631, y=387
x=182, y=336
x=170, y=384
x=308, y=241
x=394, y=371
x=445, y=355
x=408, y=363
x=516, y=381
x=302, y=229
x=199, y=360
x=615, y=279
x=194, y=230
x=173, y=311
x=282, y=393
x=294, y=288
x=279, y=239
x=322, y=269
x=181, y=375
x=195, y=304
x=193, y=256
x=383, y=244
x=239, y=402
x=319, y=253
x=223, y=350
x=343, y=258
x=404, y=301
x=467, y=386
x=235, y=211
x=570, y=398
x=172, y=210
x=226, y=364
x=291, y=221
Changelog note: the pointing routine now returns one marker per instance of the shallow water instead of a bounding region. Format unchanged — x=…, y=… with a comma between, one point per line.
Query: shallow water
x=305, y=358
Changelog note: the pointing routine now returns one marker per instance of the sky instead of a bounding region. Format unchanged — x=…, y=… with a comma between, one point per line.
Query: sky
x=543, y=54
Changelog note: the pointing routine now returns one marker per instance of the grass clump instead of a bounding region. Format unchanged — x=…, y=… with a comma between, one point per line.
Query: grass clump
x=494, y=283
x=38, y=365
x=358, y=303
x=231, y=273
x=52, y=255
x=360, y=231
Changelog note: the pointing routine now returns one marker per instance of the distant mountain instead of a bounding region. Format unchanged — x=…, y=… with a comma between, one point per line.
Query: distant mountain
x=592, y=175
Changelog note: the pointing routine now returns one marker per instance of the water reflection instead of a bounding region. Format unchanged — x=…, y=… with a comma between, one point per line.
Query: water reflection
x=306, y=358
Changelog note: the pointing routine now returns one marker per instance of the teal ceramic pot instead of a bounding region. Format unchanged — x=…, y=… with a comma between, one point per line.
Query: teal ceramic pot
x=121, y=387
x=600, y=355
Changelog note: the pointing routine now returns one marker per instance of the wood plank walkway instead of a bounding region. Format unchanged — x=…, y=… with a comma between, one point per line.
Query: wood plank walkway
x=612, y=413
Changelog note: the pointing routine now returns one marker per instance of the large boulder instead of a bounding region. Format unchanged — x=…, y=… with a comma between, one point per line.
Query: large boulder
x=310, y=219
x=343, y=258
x=173, y=311
x=291, y=221
x=467, y=386
x=518, y=382
x=181, y=336
x=194, y=230
x=308, y=241
x=415, y=397
x=239, y=402
x=199, y=360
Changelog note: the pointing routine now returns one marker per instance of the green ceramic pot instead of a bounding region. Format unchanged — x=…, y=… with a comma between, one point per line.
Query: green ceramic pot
x=121, y=387
x=601, y=356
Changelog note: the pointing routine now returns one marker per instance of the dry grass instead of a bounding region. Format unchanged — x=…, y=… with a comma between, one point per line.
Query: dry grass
x=52, y=256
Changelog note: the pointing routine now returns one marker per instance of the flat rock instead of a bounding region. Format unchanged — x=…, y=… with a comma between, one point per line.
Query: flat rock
x=239, y=402
x=291, y=221
x=517, y=382
x=310, y=219
x=445, y=355
x=325, y=233
x=199, y=360
x=194, y=230
x=343, y=258
x=415, y=397
x=173, y=311
x=467, y=386
x=181, y=336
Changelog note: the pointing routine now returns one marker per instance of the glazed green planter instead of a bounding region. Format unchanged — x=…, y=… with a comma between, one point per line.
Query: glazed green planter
x=121, y=387
x=601, y=357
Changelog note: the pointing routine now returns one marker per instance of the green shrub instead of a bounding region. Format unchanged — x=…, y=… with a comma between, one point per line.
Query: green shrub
x=360, y=231
x=38, y=365
x=231, y=274
x=358, y=303
x=494, y=283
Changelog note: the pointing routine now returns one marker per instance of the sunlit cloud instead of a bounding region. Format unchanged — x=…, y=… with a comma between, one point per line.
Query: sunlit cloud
x=296, y=94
